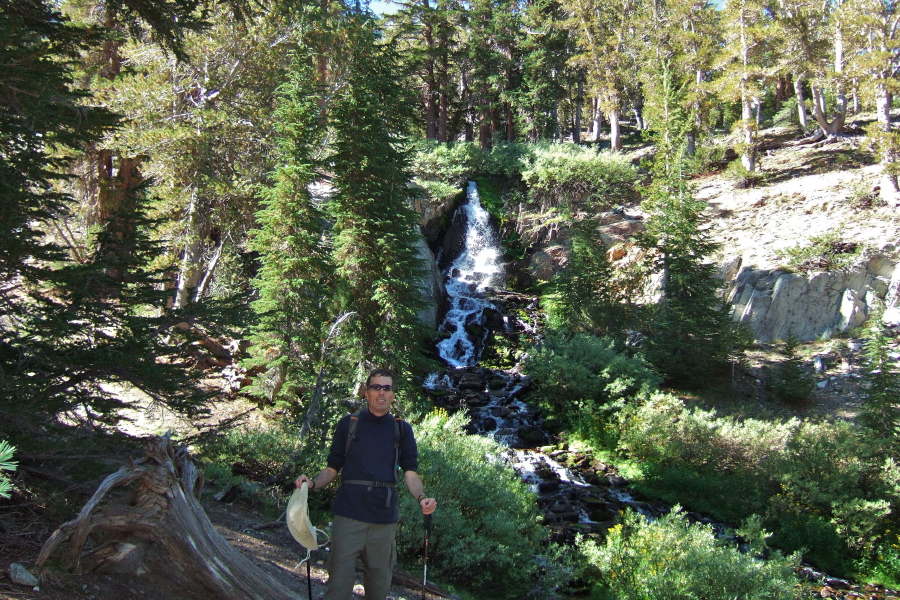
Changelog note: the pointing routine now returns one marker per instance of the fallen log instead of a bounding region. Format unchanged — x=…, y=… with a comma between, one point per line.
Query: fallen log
x=146, y=519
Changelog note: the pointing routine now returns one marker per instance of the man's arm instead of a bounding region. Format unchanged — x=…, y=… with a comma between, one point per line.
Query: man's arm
x=417, y=489
x=325, y=476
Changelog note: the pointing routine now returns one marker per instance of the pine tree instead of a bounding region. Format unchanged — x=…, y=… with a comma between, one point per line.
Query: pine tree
x=585, y=299
x=375, y=233
x=791, y=381
x=881, y=399
x=69, y=322
x=690, y=331
x=294, y=282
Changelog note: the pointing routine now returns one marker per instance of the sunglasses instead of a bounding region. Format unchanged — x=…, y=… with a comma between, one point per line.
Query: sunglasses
x=378, y=387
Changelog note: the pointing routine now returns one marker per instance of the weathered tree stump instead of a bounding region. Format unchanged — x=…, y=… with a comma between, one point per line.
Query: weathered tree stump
x=146, y=519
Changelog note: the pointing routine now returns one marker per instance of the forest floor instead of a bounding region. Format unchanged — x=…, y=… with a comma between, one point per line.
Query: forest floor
x=804, y=191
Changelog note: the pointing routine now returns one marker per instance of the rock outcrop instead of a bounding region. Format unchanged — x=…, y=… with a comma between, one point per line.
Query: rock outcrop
x=775, y=303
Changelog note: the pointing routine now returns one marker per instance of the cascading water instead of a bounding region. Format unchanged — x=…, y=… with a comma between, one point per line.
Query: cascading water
x=477, y=267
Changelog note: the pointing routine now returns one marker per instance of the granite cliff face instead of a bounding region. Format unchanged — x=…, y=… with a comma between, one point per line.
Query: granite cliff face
x=775, y=304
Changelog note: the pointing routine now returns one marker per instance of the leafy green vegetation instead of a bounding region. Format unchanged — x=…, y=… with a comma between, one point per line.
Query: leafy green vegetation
x=825, y=252
x=582, y=381
x=672, y=558
x=8, y=465
x=490, y=529
x=821, y=487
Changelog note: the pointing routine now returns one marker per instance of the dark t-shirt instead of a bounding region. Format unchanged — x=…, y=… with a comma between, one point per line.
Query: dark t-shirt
x=370, y=458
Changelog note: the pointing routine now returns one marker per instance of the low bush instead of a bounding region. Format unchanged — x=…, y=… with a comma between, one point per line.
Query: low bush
x=672, y=559
x=823, y=488
x=576, y=176
x=487, y=530
x=826, y=252
x=582, y=380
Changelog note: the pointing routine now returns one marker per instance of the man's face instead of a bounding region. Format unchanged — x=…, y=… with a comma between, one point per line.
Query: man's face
x=380, y=399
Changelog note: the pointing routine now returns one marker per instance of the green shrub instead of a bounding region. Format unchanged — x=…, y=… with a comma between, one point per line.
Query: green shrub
x=742, y=178
x=446, y=163
x=823, y=487
x=662, y=431
x=487, y=529
x=826, y=252
x=672, y=559
x=791, y=381
x=566, y=174
x=835, y=493
x=6, y=464
x=583, y=380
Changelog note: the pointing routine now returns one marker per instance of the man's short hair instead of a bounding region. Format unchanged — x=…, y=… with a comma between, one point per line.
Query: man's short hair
x=379, y=373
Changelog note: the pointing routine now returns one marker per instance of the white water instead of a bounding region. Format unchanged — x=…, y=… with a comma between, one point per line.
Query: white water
x=477, y=268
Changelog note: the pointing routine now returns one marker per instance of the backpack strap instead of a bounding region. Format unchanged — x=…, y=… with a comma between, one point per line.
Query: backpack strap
x=354, y=423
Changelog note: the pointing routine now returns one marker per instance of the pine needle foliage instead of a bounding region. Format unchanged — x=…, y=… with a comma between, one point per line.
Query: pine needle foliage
x=375, y=236
x=67, y=325
x=791, y=381
x=881, y=399
x=583, y=298
x=690, y=333
x=295, y=278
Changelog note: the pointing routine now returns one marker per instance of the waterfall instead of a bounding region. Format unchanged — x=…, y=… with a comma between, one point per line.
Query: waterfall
x=478, y=267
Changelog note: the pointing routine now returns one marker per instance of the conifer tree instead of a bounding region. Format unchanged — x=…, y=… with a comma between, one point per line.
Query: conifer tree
x=791, y=381
x=585, y=299
x=374, y=231
x=295, y=278
x=690, y=331
x=69, y=322
x=881, y=398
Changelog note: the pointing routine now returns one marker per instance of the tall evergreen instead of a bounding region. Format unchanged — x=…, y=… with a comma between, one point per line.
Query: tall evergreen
x=375, y=236
x=690, y=331
x=74, y=317
x=881, y=398
x=294, y=282
x=584, y=298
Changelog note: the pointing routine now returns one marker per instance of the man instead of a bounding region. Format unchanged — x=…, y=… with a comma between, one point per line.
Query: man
x=365, y=509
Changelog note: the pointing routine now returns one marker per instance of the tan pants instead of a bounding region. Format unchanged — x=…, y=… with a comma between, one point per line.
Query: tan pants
x=374, y=544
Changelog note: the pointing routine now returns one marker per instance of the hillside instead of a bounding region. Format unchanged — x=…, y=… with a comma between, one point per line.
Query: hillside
x=805, y=191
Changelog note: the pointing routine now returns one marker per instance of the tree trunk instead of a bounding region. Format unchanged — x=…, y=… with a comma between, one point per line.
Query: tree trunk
x=576, y=130
x=158, y=528
x=191, y=269
x=748, y=157
x=801, y=106
x=597, y=121
x=889, y=185
x=832, y=128
x=615, y=130
x=431, y=126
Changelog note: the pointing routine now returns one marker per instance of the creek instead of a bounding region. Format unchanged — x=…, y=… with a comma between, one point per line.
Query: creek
x=576, y=493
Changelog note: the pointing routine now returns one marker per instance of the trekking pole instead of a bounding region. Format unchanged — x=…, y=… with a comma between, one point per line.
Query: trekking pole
x=427, y=535
x=309, y=579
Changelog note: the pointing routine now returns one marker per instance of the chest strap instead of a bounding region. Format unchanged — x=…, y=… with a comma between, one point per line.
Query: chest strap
x=374, y=484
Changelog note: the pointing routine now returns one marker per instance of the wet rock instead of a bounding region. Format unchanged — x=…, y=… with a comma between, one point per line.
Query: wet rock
x=616, y=480
x=546, y=487
x=471, y=381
